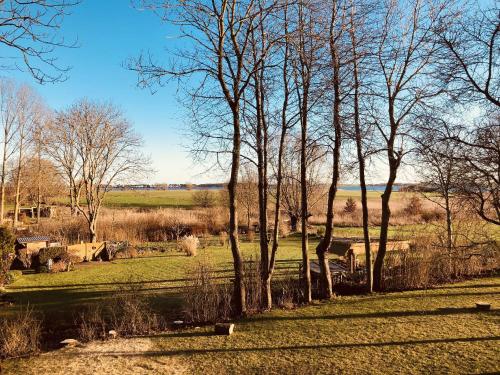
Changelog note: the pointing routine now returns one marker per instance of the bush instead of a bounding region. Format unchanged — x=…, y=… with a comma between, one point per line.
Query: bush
x=429, y=263
x=20, y=335
x=350, y=206
x=128, y=313
x=91, y=324
x=223, y=237
x=430, y=216
x=189, y=245
x=287, y=292
x=12, y=276
x=413, y=206
x=127, y=252
x=54, y=253
x=61, y=266
x=204, y=198
x=253, y=283
x=320, y=231
x=284, y=229
x=6, y=253
x=204, y=300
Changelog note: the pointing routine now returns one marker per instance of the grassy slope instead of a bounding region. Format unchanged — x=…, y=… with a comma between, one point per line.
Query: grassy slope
x=433, y=331
x=61, y=294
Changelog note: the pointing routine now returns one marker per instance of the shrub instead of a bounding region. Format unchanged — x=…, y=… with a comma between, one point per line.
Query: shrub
x=413, y=206
x=223, y=237
x=56, y=252
x=60, y=266
x=128, y=313
x=20, y=335
x=430, y=216
x=204, y=300
x=253, y=283
x=23, y=259
x=12, y=276
x=189, y=245
x=91, y=324
x=204, y=198
x=284, y=229
x=6, y=253
x=320, y=231
x=287, y=292
x=250, y=235
x=350, y=206
x=131, y=315
x=429, y=263
x=126, y=252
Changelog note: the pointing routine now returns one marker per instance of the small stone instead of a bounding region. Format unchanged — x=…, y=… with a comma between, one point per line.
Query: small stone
x=70, y=342
x=178, y=322
x=113, y=334
x=197, y=327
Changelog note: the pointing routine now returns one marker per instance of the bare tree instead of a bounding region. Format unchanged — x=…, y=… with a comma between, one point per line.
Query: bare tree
x=218, y=56
x=405, y=54
x=30, y=113
x=359, y=33
x=478, y=157
x=307, y=49
x=60, y=145
x=9, y=103
x=337, y=25
x=291, y=187
x=440, y=175
x=286, y=122
x=107, y=151
x=36, y=187
x=470, y=61
x=29, y=29
x=248, y=192
x=469, y=67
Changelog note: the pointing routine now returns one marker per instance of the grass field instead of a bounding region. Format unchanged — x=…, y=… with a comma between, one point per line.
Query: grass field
x=162, y=276
x=433, y=331
x=60, y=295
x=184, y=198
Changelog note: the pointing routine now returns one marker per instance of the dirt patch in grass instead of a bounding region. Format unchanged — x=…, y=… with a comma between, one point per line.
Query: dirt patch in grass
x=121, y=356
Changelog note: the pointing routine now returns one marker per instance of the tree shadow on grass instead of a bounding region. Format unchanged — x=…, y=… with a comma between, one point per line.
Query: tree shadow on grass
x=394, y=296
x=380, y=314
x=296, y=347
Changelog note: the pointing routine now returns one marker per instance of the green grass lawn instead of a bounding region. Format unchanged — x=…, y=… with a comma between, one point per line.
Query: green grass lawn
x=430, y=331
x=60, y=295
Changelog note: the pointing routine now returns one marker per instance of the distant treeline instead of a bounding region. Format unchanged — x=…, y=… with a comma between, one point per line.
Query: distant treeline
x=215, y=186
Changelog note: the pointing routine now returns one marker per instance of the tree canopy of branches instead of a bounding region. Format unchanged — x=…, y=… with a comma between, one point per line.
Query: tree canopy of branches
x=94, y=146
x=29, y=31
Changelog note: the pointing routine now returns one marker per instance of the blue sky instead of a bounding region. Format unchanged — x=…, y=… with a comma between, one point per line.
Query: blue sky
x=109, y=32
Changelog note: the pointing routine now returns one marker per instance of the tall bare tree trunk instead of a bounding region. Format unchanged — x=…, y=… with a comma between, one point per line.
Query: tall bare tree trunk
x=2, y=183
x=261, y=139
x=306, y=267
x=239, y=286
x=324, y=245
x=386, y=216
x=39, y=179
x=281, y=149
x=361, y=160
x=18, y=181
